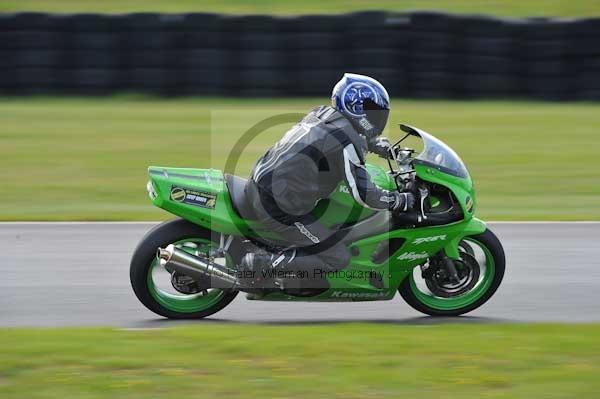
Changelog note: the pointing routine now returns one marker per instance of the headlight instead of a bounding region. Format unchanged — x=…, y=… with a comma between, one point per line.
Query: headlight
x=151, y=191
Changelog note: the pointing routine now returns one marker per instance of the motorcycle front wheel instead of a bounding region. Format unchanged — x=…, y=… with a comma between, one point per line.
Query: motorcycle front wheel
x=484, y=252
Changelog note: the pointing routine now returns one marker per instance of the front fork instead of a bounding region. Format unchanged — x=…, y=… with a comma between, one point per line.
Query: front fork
x=451, y=252
x=439, y=261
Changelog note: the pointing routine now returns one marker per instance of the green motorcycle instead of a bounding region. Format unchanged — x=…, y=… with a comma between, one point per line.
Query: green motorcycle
x=442, y=260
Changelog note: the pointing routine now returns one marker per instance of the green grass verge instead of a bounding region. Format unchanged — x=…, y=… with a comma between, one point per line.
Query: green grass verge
x=86, y=158
x=494, y=7
x=341, y=360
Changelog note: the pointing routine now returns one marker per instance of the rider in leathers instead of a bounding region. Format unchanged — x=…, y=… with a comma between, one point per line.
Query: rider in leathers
x=327, y=147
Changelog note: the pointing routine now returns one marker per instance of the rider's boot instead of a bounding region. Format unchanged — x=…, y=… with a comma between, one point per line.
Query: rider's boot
x=257, y=271
x=288, y=270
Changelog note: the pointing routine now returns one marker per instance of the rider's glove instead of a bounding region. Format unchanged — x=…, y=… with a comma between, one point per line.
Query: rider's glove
x=379, y=146
x=404, y=202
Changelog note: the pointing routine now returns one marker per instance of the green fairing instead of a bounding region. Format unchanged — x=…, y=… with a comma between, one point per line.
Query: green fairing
x=339, y=208
x=222, y=218
x=352, y=283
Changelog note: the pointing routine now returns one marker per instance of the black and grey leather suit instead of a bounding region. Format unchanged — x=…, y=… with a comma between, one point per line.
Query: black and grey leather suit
x=307, y=165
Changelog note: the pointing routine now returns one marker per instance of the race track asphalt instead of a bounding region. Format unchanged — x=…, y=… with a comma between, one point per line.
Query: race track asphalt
x=72, y=274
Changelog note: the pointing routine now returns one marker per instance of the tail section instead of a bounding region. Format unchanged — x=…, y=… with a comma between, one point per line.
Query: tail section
x=198, y=195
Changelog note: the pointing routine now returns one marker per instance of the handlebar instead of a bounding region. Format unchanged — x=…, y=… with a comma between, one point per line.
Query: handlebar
x=419, y=215
x=433, y=219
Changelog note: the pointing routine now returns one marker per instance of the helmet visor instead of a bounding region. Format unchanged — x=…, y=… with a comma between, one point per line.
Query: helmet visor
x=376, y=115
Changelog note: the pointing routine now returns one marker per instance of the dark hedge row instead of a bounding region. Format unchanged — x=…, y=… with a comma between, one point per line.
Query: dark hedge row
x=421, y=54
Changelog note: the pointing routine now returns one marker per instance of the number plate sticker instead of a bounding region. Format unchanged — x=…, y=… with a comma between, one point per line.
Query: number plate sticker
x=193, y=197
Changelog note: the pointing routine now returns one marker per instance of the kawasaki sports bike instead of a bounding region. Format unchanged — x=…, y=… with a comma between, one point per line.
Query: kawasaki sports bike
x=442, y=260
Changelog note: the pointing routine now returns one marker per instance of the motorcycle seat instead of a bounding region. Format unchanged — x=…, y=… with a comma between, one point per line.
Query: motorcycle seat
x=237, y=192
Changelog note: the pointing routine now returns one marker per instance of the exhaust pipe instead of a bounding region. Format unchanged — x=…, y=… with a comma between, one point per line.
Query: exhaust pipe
x=196, y=267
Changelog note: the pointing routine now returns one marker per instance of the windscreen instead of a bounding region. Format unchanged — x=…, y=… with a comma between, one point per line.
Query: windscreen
x=440, y=156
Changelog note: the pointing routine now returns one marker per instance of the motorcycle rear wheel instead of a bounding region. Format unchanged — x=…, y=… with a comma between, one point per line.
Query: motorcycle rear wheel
x=160, y=301
x=494, y=265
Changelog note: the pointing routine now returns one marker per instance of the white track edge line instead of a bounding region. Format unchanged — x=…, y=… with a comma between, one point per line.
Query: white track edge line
x=157, y=221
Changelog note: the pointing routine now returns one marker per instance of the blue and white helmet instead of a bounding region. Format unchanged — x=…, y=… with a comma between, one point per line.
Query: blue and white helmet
x=364, y=101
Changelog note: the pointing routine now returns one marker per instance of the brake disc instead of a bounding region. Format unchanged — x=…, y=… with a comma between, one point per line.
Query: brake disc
x=441, y=285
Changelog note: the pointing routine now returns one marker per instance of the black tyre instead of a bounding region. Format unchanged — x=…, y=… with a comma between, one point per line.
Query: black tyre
x=174, y=306
x=489, y=278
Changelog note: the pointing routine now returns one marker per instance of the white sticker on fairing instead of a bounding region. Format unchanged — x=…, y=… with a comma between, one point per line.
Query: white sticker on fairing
x=421, y=240
x=413, y=256
x=342, y=294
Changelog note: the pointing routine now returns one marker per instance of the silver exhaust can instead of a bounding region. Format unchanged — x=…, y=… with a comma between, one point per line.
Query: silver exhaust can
x=196, y=267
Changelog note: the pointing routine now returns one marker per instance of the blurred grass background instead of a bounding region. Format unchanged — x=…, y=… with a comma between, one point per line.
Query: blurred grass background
x=340, y=360
x=86, y=158
x=515, y=8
